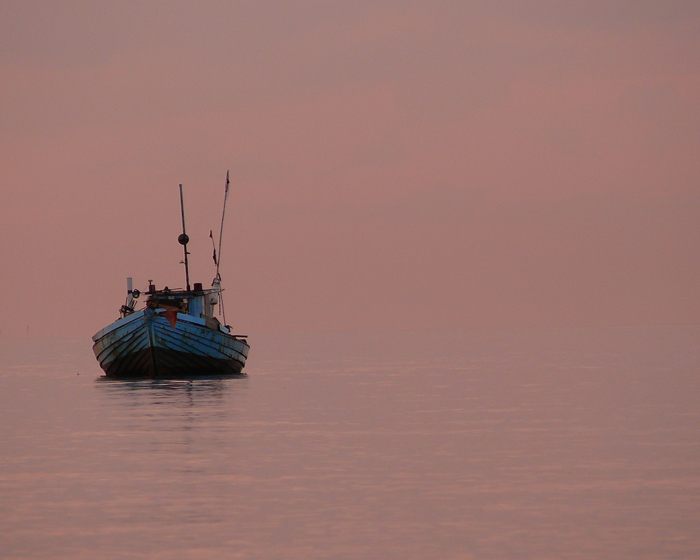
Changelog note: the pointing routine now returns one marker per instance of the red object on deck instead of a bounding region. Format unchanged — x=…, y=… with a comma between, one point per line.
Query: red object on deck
x=171, y=316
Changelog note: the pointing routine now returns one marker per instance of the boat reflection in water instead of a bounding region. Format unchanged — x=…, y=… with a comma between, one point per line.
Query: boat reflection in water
x=181, y=392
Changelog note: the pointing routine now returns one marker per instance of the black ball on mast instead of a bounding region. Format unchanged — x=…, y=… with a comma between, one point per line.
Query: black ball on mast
x=183, y=239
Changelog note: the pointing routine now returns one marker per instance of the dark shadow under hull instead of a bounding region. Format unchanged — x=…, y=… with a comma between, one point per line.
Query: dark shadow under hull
x=162, y=363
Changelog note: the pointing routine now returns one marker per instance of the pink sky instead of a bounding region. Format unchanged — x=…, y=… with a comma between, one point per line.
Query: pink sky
x=394, y=165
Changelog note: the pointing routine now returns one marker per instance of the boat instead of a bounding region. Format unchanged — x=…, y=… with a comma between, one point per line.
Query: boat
x=176, y=333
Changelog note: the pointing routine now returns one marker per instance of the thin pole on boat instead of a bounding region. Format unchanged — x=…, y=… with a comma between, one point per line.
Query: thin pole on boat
x=218, y=260
x=221, y=231
x=183, y=239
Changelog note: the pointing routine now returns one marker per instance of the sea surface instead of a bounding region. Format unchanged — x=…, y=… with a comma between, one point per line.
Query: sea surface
x=515, y=444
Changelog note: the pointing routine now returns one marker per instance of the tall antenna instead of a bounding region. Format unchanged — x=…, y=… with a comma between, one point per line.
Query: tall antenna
x=183, y=240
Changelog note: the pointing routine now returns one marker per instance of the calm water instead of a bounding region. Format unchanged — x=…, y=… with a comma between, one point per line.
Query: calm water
x=552, y=444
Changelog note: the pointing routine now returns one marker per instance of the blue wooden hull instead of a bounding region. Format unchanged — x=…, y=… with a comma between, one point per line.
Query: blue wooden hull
x=145, y=344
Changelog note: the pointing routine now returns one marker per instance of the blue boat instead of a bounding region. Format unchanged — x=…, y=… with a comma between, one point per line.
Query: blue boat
x=176, y=334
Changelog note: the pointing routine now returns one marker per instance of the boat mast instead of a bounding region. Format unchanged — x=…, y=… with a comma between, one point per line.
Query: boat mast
x=216, y=284
x=221, y=231
x=183, y=239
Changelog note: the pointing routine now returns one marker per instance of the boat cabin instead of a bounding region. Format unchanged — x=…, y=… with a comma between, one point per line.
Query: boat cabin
x=197, y=302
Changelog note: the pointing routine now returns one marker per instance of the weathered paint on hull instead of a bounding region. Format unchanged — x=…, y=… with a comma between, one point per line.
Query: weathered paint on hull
x=144, y=344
